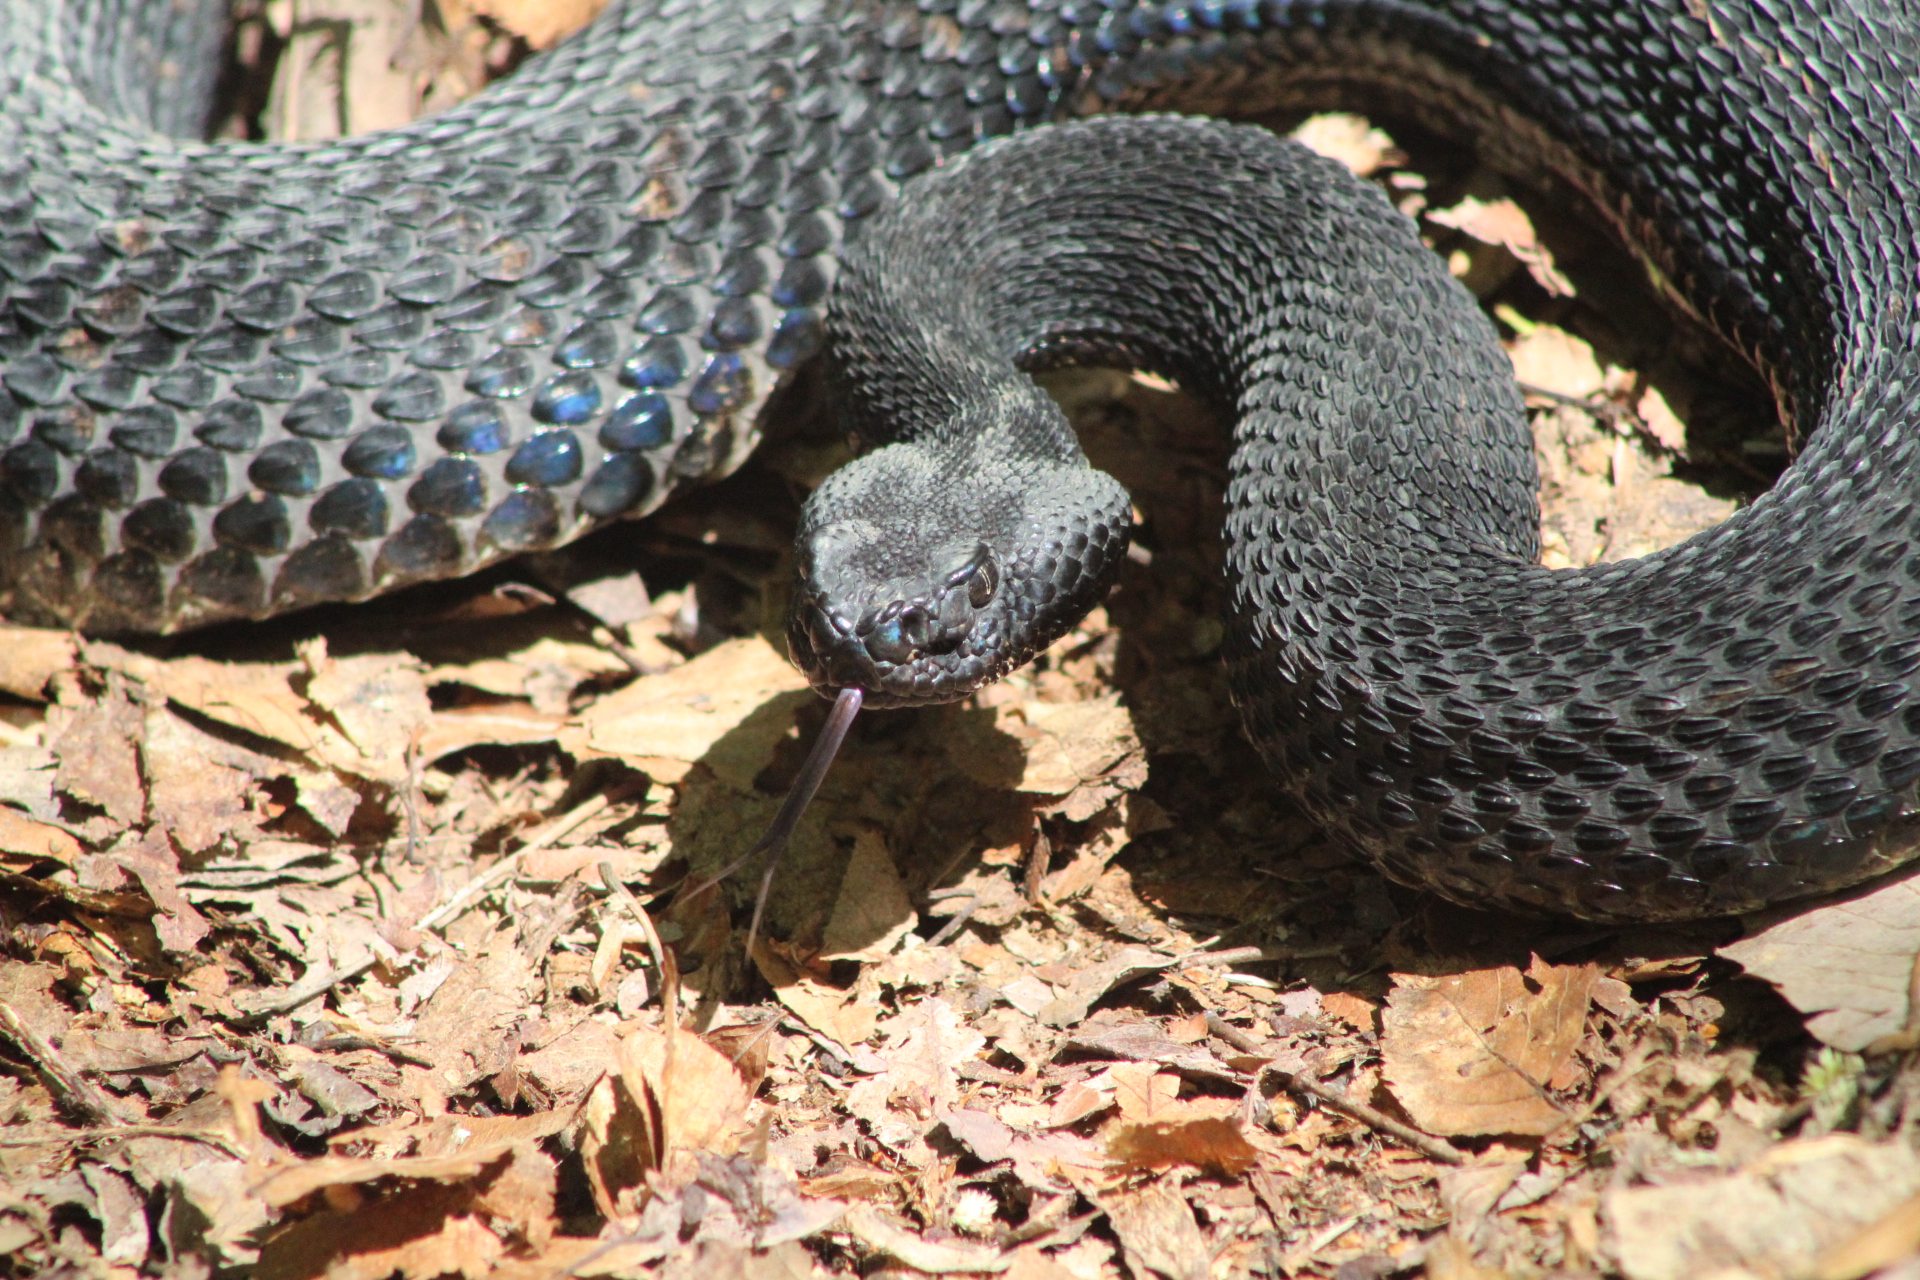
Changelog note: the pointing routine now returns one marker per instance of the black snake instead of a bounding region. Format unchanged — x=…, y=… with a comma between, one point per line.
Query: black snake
x=244, y=378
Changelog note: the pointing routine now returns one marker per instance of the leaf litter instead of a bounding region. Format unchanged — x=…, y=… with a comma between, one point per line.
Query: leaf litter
x=380, y=942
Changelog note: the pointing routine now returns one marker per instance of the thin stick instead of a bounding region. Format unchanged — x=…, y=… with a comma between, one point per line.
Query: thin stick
x=124, y=1133
x=669, y=971
x=67, y=1084
x=1432, y=1148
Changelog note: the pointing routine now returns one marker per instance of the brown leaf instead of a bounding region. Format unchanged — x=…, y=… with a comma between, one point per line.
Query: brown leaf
x=21, y=836
x=1214, y=1143
x=748, y=1046
x=254, y=696
x=700, y=1097
x=1156, y=1229
x=1503, y=222
x=727, y=707
x=98, y=762
x=983, y=1134
x=379, y=701
x=155, y=864
x=539, y=22
x=1473, y=1053
x=1069, y=743
x=839, y=1015
x=199, y=802
x=883, y=1235
x=1850, y=965
x=419, y=1232
x=851, y=1178
x=508, y=724
x=1775, y=1218
x=30, y=656
x=1357, y=1012
x=873, y=911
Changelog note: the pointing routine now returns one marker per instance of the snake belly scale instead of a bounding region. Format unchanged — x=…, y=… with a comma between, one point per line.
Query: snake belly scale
x=245, y=378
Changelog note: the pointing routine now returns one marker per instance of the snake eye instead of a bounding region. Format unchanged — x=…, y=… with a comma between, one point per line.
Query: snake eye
x=985, y=582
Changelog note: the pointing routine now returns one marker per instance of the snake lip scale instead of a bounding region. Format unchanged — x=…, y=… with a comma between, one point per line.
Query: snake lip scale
x=241, y=379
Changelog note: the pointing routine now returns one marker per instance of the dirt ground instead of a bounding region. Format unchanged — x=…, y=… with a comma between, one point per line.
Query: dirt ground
x=380, y=940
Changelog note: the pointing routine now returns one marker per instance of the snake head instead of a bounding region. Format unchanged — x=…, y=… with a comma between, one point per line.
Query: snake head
x=926, y=570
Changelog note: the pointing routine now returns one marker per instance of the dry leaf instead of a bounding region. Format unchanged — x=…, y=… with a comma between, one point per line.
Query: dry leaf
x=1887, y=1241
x=378, y=700
x=1156, y=1229
x=883, y=1235
x=701, y=1098
x=1849, y=965
x=419, y=1232
x=458, y=728
x=30, y=656
x=873, y=911
x=254, y=696
x=1214, y=1143
x=198, y=801
x=21, y=836
x=1156, y=1129
x=99, y=764
x=1503, y=222
x=1474, y=1053
x=1069, y=743
x=839, y=1015
x=539, y=22
x=1775, y=1218
x=741, y=693
x=1357, y=1012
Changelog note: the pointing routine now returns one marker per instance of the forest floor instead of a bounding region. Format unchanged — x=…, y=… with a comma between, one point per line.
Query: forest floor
x=377, y=940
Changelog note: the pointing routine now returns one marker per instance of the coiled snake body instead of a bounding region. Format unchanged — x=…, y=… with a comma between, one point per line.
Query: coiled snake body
x=245, y=378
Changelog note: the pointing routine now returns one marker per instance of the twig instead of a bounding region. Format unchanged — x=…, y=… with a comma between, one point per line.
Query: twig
x=67, y=1084
x=662, y=960
x=1432, y=1148
x=1231, y=956
x=604, y=637
x=955, y=923
x=122, y=1132
x=823, y=1043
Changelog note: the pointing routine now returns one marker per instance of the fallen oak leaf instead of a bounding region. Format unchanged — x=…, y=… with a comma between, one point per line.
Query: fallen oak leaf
x=643, y=1127
x=1777, y=1217
x=1475, y=1053
x=728, y=708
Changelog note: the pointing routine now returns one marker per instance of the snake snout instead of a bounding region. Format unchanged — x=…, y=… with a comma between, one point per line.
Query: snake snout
x=914, y=645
